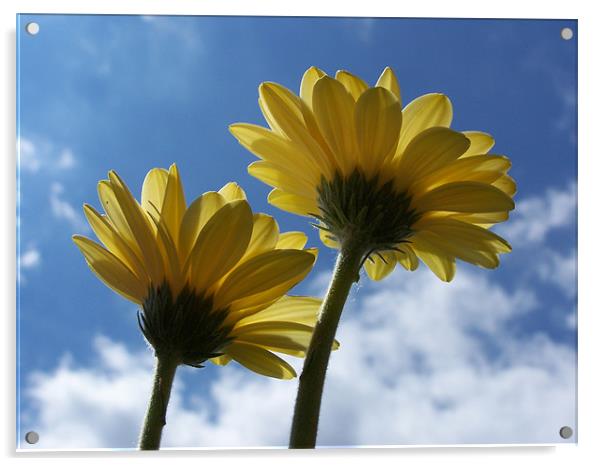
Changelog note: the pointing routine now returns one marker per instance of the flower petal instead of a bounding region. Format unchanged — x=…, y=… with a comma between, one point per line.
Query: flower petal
x=195, y=218
x=291, y=240
x=220, y=244
x=263, y=278
x=114, y=273
x=114, y=242
x=310, y=77
x=440, y=262
x=376, y=268
x=333, y=109
x=285, y=114
x=153, y=189
x=354, y=85
x=174, y=202
x=284, y=337
x=377, y=123
x=276, y=149
x=260, y=360
x=293, y=203
x=140, y=227
x=264, y=236
x=467, y=196
x=432, y=149
x=388, y=80
x=425, y=112
x=480, y=143
x=300, y=309
x=233, y=192
x=282, y=178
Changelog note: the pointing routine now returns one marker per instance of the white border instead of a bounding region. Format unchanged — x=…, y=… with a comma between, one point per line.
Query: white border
x=590, y=155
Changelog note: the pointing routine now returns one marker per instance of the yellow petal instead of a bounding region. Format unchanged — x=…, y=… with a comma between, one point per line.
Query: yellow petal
x=260, y=360
x=153, y=189
x=284, y=112
x=468, y=196
x=232, y=192
x=116, y=215
x=293, y=203
x=481, y=168
x=388, y=80
x=221, y=360
x=220, y=244
x=174, y=203
x=425, y=112
x=506, y=184
x=376, y=268
x=169, y=252
x=277, y=150
x=354, y=85
x=440, y=262
x=432, y=149
x=333, y=109
x=264, y=236
x=480, y=143
x=263, y=278
x=195, y=218
x=407, y=257
x=483, y=219
x=114, y=273
x=114, y=242
x=284, y=337
x=291, y=240
x=329, y=240
x=300, y=309
x=282, y=178
x=310, y=77
x=140, y=227
x=377, y=122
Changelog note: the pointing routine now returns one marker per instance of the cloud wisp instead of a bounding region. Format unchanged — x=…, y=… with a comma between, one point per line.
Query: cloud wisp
x=535, y=217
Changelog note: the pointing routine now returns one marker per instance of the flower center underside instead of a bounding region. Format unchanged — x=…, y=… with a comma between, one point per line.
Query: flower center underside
x=186, y=327
x=365, y=211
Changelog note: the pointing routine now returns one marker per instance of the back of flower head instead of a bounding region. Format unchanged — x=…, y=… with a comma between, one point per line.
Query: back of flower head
x=210, y=279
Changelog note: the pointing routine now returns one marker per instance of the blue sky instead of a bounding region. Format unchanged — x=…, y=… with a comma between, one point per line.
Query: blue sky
x=131, y=93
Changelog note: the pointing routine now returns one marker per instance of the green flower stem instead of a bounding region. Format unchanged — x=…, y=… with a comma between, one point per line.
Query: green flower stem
x=311, y=382
x=165, y=370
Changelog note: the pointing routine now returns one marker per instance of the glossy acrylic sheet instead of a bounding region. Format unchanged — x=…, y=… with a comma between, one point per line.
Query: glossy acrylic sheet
x=488, y=358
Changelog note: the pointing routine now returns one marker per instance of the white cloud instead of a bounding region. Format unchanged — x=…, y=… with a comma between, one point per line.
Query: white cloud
x=28, y=155
x=535, y=217
x=31, y=258
x=560, y=270
x=420, y=362
x=66, y=159
x=63, y=210
x=37, y=154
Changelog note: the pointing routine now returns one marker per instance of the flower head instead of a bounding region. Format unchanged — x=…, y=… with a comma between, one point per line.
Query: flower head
x=210, y=278
x=398, y=181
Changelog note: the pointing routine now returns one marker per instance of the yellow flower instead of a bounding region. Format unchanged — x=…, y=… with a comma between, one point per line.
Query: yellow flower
x=401, y=182
x=211, y=279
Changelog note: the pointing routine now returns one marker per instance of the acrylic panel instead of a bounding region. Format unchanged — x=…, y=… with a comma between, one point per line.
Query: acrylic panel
x=486, y=358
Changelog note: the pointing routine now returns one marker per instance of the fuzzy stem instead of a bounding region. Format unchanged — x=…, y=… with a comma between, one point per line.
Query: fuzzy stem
x=165, y=370
x=311, y=382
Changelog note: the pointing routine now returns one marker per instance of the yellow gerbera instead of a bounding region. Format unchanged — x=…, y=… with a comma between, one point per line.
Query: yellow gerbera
x=211, y=279
x=399, y=182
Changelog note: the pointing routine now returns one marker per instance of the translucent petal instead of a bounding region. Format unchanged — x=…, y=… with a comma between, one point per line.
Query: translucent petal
x=263, y=278
x=220, y=244
x=260, y=360
x=114, y=273
x=195, y=218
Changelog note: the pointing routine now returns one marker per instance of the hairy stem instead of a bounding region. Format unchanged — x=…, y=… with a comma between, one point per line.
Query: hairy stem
x=165, y=370
x=311, y=382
